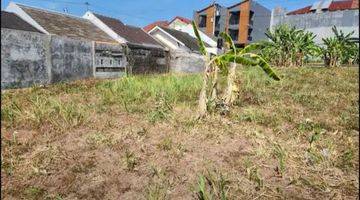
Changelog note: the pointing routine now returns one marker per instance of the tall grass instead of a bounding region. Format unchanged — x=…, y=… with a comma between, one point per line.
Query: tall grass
x=133, y=92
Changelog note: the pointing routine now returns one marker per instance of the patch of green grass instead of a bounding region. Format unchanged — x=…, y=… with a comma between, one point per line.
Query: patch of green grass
x=280, y=154
x=132, y=92
x=346, y=160
x=254, y=176
x=98, y=139
x=162, y=109
x=212, y=185
x=34, y=193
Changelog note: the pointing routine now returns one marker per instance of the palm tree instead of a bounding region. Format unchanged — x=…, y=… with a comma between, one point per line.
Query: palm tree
x=226, y=62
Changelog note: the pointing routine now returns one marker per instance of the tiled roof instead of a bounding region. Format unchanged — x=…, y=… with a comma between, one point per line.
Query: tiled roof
x=66, y=25
x=12, y=21
x=132, y=34
x=185, y=38
x=157, y=23
x=183, y=19
x=334, y=6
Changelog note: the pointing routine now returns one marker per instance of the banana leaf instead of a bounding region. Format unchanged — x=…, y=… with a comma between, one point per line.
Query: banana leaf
x=264, y=66
x=228, y=39
x=200, y=42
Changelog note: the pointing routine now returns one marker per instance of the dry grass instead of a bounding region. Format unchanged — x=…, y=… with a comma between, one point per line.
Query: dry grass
x=136, y=138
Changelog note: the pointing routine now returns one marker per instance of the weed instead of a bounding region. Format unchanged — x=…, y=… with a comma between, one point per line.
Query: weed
x=130, y=160
x=162, y=109
x=166, y=144
x=254, y=176
x=213, y=185
x=34, y=192
x=98, y=139
x=155, y=191
x=280, y=154
x=346, y=159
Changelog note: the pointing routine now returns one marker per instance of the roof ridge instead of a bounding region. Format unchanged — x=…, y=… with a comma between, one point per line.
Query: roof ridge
x=52, y=11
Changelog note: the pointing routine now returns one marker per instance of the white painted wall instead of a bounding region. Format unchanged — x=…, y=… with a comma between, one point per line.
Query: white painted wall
x=189, y=30
x=177, y=23
x=97, y=22
x=168, y=41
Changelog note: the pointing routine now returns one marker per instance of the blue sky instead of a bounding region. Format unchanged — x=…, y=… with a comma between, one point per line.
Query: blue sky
x=143, y=12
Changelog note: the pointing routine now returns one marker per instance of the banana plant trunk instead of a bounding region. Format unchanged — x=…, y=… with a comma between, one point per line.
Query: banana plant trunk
x=229, y=93
x=214, y=83
x=203, y=97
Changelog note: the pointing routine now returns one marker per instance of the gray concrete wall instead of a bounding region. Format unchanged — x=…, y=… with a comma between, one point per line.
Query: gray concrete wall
x=70, y=59
x=184, y=62
x=319, y=23
x=109, y=60
x=146, y=60
x=24, y=58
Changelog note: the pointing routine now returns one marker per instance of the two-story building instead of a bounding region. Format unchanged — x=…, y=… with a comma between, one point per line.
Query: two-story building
x=245, y=22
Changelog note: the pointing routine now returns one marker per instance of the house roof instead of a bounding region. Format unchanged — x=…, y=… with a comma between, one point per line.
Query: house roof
x=183, y=19
x=157, y=23
x=185, y=38
x=66, y=25
x=12, y=21
x=209, y=6
x=243, y=1
x=132, y=34
x=334, y=6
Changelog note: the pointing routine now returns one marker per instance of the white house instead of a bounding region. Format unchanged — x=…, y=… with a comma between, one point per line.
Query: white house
x=177, y=40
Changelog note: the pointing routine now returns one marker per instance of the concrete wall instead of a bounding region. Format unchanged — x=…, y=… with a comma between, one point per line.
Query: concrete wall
x=109, y=60
x=70, y=59
x=24, y=58
x=145, y=60
x=319, y=23
x=29, y=58
x=185, y=62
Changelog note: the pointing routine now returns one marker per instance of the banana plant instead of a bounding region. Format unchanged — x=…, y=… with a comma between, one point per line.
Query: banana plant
x=288, y=46
x=339, y=49
x=227, y=63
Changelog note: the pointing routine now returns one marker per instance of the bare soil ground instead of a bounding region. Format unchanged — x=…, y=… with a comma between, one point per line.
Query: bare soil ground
x=136, y=138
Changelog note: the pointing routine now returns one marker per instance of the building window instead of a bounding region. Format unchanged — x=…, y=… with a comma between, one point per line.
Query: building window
x=217, y=22
x=101, y=61
x=234, y=34
x=251, y=17
x=234, y=18
x=110, y=62
x=249, y=34
x=202, y=21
